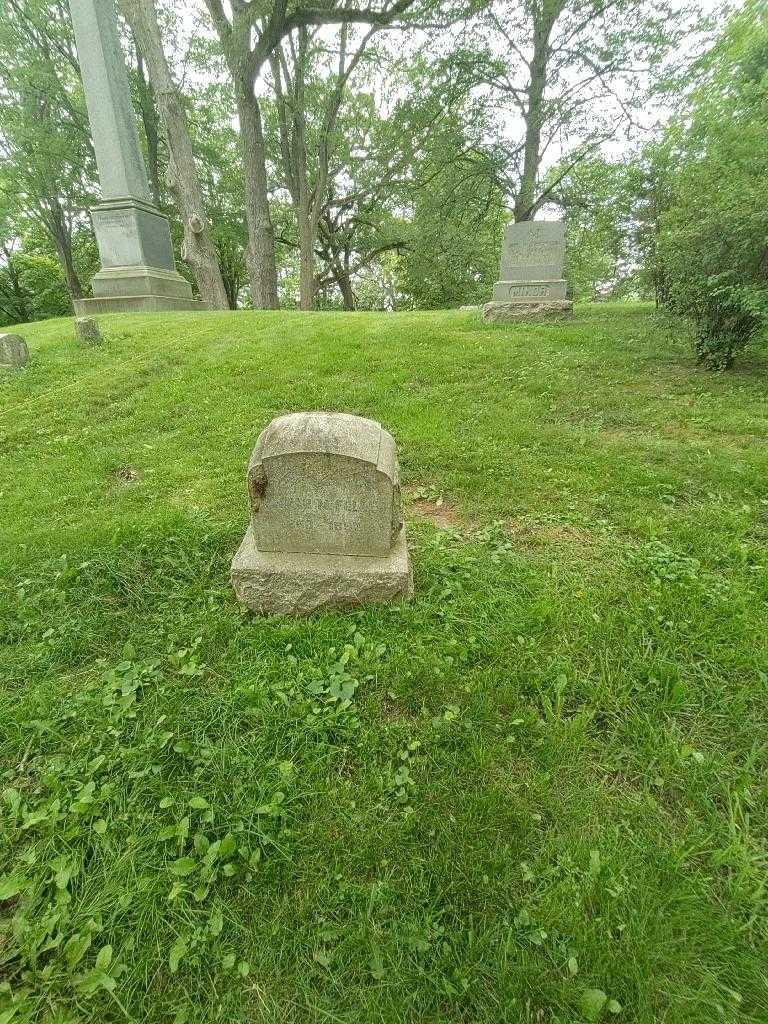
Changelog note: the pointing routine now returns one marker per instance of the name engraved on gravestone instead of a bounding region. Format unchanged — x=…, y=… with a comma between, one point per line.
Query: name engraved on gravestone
x=320, y=490
x=529, y=291
x=537, y=291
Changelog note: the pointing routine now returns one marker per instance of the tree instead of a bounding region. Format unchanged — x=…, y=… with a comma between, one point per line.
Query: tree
x=198, y=249
x=713, y=238
x=217, y=146
x=377, y=163
x=44, y=137
x=570, y=74
x=307, y=149
x=603, y=205
x=456, y=226
x=248, y=37
x=32, y=285
x=150, y=122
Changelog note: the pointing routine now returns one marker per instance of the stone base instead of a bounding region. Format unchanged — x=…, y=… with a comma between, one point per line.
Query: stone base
x=116, y=282
x=278, y=583
x=135, y=304
x=528, y=291
x=132, y=233
x=137, y=273
x=509, y=312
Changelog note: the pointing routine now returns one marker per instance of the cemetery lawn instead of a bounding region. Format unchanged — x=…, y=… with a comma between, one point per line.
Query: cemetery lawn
x=536, y=793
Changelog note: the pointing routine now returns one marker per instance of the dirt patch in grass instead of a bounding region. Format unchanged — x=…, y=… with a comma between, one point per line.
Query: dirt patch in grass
x=395, y=713
x=127, y=475
x=528, y=533
x=440, y=514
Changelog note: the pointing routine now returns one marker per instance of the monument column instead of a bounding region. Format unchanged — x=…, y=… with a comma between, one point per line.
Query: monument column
x=138, y=272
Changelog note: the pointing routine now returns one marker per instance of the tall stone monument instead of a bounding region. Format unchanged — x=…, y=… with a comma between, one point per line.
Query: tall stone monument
x=138, y=272
x=326, y=526
x=531, y=282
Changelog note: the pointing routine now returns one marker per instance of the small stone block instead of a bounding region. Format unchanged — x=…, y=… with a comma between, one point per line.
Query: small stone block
x=326, y=523
x=87, y=330
x=13, y=350
x=511, y=312
x=285, y=583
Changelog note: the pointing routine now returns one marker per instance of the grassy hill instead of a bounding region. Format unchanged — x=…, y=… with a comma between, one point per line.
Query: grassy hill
x=546, y=801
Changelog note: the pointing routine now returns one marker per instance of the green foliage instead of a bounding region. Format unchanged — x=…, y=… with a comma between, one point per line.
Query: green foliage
x=574, y=71
x=31, y=288
x=713, y=246
x=455, y=233
x=47, y=158
x=600, y=200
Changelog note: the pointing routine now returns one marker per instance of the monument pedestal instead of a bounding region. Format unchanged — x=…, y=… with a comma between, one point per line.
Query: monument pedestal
x=531, y=285
x=291, y=583
x=138, y=270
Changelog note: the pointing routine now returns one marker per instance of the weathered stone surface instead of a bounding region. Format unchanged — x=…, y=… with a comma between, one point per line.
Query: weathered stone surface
x=531, y=273
x=503, y=312
x=87, y=330
x=326, y=524
x=528, y=291
x=286, y=583
x=135, y=304
x=133, y=234
x=325, y=483
x=138, y=270
x=533, y=251
x=108, y=98
x=13, y=350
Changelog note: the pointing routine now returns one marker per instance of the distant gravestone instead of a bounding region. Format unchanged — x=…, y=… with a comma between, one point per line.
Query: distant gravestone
x=13, y=350
x=87, y=330
x=326, y=525
x=531, y=281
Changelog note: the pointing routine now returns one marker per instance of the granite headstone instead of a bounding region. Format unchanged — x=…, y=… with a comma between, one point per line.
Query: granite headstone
x=531, y=280
x=326, y=525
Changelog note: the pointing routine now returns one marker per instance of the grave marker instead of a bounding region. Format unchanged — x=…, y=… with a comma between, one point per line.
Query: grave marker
x=326, y=525
x=13, y=350
x=531, y=281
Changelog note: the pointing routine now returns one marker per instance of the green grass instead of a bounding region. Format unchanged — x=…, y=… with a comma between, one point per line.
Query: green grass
x=546, y=799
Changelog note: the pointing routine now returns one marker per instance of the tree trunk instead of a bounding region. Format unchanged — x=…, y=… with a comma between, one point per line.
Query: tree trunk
x=64, y=250
x=343, y=279
x=58, y=229
x=149, y=120
x=306, y=260
x=344, y=282
x=525, y=201
x=197, y=248
x=230, y=272
x=260, y=258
